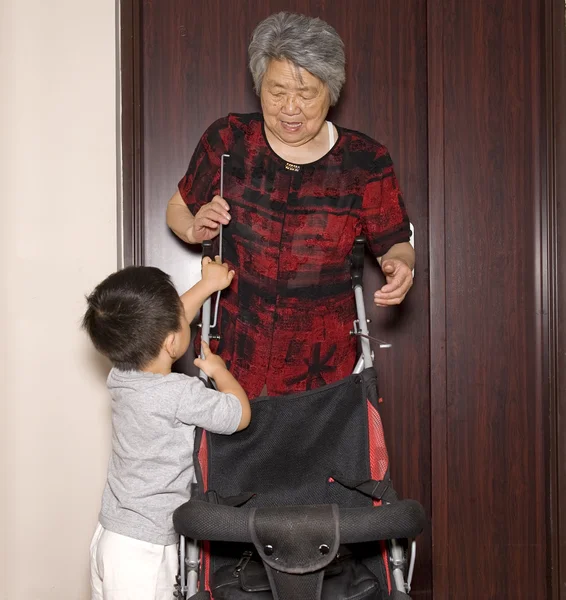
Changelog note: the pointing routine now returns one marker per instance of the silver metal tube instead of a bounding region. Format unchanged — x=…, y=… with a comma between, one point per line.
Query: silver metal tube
x=399, y=580
x=359, y=366
x=220, y=237
x=205, y=331
x=363, y=326
x=193, y=564
x=398, y=561
x=193, y=553
x=182, y=571
x=222, y=195
x=411, y=565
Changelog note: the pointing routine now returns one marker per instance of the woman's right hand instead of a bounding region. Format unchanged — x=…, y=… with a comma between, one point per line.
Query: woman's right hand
x=208, y=220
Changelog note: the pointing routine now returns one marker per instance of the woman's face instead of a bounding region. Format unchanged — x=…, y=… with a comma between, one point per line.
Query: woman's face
x=294, y=102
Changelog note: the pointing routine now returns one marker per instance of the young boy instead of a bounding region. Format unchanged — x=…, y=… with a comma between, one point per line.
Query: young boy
x=136, y=318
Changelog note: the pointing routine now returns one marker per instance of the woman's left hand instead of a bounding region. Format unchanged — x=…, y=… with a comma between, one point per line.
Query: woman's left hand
x=399, y=277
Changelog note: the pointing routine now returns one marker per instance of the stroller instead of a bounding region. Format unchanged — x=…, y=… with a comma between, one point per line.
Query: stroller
x=300, y=506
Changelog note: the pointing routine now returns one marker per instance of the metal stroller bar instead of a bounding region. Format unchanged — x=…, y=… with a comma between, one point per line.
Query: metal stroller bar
x=206, y=309
x=188, y=569
x=224, y=156
x=207, y=251
x=361, y=324
x=189, y=549
x=398, y=560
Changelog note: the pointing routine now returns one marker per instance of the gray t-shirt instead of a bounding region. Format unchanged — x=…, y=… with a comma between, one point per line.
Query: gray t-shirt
x=151, y=466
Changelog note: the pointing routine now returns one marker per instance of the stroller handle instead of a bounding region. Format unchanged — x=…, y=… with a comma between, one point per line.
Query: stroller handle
x=357, y=261
x=214, y=522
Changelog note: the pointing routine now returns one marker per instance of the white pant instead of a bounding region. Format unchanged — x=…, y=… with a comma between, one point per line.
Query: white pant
x=123, y=568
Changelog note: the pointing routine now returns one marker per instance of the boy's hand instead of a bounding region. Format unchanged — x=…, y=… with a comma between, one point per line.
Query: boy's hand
x=216, y=274
x=211, y=364
x=215, y=277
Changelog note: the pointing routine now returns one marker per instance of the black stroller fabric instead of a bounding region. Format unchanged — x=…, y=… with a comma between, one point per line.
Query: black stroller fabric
x=314, y=448
x=298, y=447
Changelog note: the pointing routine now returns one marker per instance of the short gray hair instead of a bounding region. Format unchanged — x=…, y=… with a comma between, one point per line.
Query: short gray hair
x=307, y=42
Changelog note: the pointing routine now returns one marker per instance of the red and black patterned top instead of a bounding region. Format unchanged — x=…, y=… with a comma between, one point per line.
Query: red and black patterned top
x=285, y=320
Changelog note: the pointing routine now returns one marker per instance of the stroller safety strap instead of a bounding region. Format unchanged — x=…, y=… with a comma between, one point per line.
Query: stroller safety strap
x=239, y=500
x=369, y=487
x=286, y=554
x=274, y=534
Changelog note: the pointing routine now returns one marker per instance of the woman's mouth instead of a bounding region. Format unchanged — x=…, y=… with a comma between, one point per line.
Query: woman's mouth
x=291, y=126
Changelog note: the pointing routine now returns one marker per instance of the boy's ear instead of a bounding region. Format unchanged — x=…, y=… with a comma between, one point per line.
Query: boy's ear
x=170, y=345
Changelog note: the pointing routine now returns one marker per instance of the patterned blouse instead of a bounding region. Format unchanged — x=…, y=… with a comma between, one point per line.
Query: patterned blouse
x=285, y=321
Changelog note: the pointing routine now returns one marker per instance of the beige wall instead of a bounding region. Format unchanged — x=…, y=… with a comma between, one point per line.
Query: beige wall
x=57, y=240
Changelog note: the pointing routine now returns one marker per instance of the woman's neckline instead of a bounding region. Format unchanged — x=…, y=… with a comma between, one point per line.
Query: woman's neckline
x=285, y=162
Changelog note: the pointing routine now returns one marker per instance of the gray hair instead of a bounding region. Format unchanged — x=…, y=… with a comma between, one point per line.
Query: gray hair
x=307, y=42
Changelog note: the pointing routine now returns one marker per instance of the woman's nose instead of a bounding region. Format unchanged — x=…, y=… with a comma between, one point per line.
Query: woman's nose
x=291, y=107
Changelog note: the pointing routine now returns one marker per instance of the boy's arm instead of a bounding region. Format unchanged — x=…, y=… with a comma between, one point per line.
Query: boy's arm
x=214, y=367
x=226, y=383
x=194, y=298
x=215, y=276
x=211, y=409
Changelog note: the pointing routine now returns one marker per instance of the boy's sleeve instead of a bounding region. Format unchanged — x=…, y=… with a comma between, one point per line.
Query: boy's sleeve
x=207, y=408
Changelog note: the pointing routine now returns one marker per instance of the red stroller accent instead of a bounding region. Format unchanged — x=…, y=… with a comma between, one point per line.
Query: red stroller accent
x=300, y=504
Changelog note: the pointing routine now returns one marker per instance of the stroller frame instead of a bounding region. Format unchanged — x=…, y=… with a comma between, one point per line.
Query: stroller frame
x=401, y=553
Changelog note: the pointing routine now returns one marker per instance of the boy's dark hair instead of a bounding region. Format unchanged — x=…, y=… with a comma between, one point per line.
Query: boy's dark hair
x=130, y=314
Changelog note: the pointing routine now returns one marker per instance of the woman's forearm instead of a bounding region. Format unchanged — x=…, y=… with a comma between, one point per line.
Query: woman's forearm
x=179, y=219
x=403, y=251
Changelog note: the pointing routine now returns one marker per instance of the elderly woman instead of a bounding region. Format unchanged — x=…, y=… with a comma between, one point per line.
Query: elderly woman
x=298, y=190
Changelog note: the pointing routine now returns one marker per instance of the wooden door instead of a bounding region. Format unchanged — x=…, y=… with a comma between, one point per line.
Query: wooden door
x=460, y=93
x=490, y=424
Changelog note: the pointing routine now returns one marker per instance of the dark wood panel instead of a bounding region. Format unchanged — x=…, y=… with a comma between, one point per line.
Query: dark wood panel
x=385, y=98
x=441, y=560
x=194, y=71
x=496, y=414
x=131, y=238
